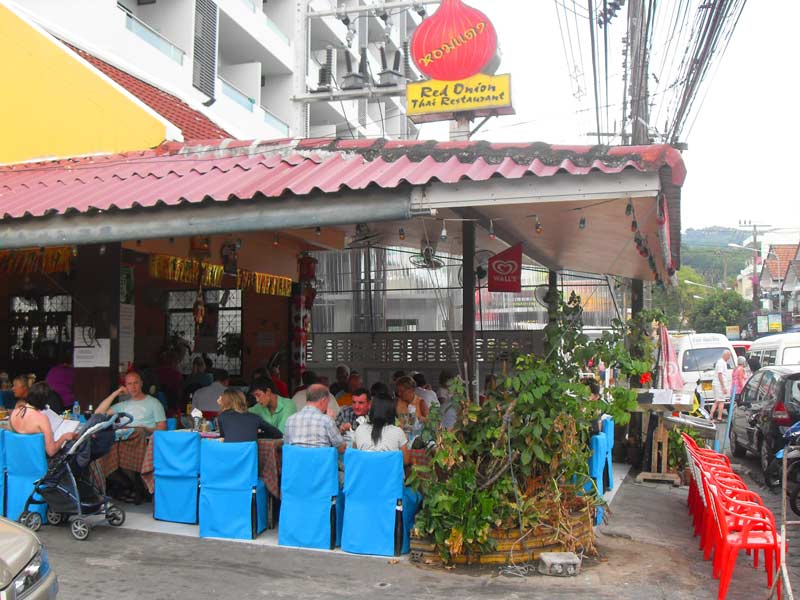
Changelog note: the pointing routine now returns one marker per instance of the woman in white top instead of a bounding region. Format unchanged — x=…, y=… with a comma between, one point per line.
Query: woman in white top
x=381, y=434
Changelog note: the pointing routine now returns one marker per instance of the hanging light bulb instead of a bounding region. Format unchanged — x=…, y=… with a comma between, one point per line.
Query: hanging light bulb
x=538, y=225
x=318, y=230
x=401, y=233
x=275, y=240
x=492, y=236
x=74, y=251
x=629, y=209
x=634, y=225
x=443, y=235
x=582, y=223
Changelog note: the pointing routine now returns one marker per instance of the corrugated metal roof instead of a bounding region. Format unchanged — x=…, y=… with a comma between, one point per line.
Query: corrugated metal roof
x=175, y=173
x=193, y=124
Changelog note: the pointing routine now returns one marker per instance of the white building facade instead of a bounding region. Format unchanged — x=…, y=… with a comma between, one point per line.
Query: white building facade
x=242, y=62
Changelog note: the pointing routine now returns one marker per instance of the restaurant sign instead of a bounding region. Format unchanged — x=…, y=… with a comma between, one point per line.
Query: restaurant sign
x=488, y=94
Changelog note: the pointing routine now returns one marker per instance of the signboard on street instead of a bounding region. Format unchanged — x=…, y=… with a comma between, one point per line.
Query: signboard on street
x=775, y=323
x=732, y=332
x=762, y=324
x=437, y=100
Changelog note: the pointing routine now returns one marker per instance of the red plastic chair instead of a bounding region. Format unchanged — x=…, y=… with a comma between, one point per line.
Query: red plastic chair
x=755, y=531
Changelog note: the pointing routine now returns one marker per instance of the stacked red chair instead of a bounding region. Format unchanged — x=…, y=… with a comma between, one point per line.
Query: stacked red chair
x=728, y=517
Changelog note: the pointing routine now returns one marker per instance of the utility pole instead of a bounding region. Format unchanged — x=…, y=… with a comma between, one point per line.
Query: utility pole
x=755, y=277
x=637, y=45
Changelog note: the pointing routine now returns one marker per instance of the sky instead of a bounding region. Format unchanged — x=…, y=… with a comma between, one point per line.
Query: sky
x=741, y=144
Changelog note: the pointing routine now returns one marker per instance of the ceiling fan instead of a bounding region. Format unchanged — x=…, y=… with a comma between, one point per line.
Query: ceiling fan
x=481, y=262
x=427, y=259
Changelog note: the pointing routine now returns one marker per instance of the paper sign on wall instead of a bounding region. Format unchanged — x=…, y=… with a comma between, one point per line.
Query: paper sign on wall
x=90, y=352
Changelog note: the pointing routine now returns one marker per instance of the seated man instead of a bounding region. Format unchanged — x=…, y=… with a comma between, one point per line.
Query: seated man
x=205, y=398
x=147, y=412
x=354, y=382
x=271, y=407
x=148, y=415
x=312, y=427
x=347, y=418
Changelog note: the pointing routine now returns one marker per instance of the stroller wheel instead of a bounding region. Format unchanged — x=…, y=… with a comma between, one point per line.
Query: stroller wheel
x=115, y=516
x=54, y=518
x=80, y=529
x=31, y=520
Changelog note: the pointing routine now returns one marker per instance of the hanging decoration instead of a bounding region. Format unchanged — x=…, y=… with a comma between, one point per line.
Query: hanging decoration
x=457, y=42
x=189, y=270
x=36, y=260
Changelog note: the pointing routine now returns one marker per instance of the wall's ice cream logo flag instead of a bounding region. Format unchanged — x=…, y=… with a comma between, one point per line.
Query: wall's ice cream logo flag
x=505, y=270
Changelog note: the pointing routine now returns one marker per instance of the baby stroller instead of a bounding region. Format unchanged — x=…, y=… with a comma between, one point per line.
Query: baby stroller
x=67, y=488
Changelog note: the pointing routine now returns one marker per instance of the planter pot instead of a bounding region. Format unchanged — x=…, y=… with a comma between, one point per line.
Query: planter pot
x=508, y=545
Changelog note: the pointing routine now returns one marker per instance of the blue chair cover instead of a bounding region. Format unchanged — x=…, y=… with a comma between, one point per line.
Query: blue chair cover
x=608, y=431
x=597, y=463
x=172, y=424
x=309, y=482
x=176, y=466
x=373, y=483
x=233, y=500
x=411, y=502
x=2, y=472
x=26, y=463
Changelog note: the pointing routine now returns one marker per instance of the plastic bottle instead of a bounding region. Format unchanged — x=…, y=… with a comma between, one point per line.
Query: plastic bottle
x=76, y=411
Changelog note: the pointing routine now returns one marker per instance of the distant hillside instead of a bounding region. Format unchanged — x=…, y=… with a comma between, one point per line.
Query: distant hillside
x=715, y=237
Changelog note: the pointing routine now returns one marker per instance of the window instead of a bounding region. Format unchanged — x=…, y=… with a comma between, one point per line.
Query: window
x=751, y=388
x=221, y=334
x=766, y=387
x=204, y=77
x=791, y=356
x=701, y=359
x=401, y=324
x=39, y=326
x=768, y=358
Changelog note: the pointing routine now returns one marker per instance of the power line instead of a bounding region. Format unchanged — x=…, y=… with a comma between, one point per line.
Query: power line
x=594, y=74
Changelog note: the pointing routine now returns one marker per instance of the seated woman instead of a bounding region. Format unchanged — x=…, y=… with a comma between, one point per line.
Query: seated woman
x=380, y=434
x=408, y=402
x=28, y=418
x=237, y=424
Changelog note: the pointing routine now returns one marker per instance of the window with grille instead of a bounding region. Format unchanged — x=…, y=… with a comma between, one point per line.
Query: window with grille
x=39, y=326
x=205, y=46
x=223, y=323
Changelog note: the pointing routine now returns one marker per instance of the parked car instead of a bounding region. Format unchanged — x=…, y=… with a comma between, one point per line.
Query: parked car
x=778, y=349
x=25, y=570
x=769, y=404
x=697, y=354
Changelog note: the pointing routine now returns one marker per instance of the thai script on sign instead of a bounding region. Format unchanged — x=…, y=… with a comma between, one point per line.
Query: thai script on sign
x=455, y=42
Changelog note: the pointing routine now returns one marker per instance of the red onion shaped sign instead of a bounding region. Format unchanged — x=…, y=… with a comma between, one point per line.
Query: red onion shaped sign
x=456, y=42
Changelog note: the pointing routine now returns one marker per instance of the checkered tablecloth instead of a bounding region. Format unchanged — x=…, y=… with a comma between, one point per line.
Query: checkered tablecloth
x=419, y=457
x=269, y=466
x=128, y=454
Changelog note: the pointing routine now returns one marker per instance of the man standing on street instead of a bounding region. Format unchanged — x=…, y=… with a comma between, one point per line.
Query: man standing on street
x=721, y=384
x=271, y=407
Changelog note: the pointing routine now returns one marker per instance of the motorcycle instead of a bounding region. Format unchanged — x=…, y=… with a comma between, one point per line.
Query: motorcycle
x=773, y=476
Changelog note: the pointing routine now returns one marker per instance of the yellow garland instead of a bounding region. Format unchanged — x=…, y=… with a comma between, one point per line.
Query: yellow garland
x=49, y=260
x=187, y=270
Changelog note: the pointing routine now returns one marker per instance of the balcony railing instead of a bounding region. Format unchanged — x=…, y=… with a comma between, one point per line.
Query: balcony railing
x=255, y=6
x=275, y=122
x=237, y=95
x=152, y=37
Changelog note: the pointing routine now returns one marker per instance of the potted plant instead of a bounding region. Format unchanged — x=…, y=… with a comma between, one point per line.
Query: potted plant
x=511, y=479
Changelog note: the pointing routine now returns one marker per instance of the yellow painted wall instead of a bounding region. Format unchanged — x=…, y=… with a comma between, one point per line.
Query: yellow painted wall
x=53, y=104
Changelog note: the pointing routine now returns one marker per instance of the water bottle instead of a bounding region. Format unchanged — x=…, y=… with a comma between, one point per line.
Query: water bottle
x=76, y=411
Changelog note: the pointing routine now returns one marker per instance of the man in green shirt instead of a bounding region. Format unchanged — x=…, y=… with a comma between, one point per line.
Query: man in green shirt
x=271, y=407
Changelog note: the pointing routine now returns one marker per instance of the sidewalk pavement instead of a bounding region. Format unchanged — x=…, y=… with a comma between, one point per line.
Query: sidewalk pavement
x=645, y=551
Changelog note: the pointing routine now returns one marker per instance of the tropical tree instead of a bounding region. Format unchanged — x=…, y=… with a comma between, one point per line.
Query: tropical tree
x=718, y=310
x=677, y=302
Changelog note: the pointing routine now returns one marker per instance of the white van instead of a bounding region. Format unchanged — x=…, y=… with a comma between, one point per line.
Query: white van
x=779, y=349
x=697, y=354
